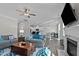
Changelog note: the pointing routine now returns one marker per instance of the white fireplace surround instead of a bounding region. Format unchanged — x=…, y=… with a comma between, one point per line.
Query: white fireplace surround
x=73, y=38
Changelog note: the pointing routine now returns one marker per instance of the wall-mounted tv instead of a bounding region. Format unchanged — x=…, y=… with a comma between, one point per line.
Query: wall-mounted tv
x=68, y=15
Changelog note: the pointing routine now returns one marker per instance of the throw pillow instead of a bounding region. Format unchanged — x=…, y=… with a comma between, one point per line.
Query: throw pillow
x=1, y=38
x=11, y=37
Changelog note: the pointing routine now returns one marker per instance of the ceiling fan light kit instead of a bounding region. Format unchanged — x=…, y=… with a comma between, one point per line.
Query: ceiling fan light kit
x=25, y=12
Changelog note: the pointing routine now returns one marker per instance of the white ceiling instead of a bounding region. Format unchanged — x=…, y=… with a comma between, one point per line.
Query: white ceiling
x=44, y=11
x=47, y=14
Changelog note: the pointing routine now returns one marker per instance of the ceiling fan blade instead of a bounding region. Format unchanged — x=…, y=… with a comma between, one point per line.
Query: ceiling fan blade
x=33, y=14
x=21, y=14
x=19, y=10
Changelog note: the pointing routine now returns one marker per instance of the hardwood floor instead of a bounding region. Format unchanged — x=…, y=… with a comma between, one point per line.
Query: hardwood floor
x=53, y=46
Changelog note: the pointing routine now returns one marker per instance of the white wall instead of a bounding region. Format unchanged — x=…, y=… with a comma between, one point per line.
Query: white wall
x=8, y=26
x=50, y=26
x=74, y=30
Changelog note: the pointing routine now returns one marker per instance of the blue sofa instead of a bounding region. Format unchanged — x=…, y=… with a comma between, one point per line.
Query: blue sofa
x=6, y=41
x=38, y=39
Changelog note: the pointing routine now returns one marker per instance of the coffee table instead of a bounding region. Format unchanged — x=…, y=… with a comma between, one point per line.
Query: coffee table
x=24, y=49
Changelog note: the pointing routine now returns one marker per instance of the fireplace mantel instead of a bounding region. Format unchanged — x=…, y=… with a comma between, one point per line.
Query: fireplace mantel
x=73, y=38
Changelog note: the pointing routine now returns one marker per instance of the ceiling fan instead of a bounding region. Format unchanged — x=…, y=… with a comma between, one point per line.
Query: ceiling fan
x=25, y=12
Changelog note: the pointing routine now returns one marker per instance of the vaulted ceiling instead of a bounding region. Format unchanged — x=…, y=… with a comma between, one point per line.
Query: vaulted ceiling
x=47, y=14
x=44, y=11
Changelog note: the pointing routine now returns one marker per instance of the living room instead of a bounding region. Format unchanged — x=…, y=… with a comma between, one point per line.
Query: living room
x=18, y=27
x=36, y=29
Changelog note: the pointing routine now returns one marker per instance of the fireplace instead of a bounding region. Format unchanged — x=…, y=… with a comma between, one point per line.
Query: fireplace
x=71, y=47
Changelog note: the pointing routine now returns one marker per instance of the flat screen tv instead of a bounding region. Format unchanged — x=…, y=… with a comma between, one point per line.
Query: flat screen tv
x=68, y=15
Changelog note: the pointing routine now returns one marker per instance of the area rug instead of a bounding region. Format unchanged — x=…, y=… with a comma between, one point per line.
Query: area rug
x=7, y=52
